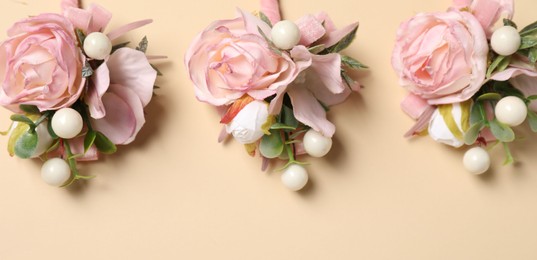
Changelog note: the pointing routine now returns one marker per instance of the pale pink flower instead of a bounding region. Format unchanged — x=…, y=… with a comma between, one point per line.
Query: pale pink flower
x=487, y=12
x=441, y=57
x=40, y=64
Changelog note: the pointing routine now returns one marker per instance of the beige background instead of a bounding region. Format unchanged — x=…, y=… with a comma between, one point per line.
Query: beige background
x=177, y=194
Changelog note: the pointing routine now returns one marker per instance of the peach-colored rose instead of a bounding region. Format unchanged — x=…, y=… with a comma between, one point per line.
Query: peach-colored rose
x=41, y=64
x=230, y=59
x=441, y=57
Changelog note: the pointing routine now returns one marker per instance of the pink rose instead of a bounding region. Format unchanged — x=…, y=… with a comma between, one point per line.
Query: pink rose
x=122, y=87
x=40, y=64
x=441, y=57
x=230, y=59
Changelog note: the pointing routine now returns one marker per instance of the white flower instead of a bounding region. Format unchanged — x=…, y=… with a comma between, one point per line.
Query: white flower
x=439, y=130
x=247, y=126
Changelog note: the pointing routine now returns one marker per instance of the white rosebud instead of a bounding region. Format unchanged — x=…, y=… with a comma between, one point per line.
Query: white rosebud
x=246, y=127
x=440, y=132
x=44, y=140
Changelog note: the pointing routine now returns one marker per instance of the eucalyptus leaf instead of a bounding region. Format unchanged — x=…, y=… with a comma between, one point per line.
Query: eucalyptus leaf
x=22, y=119
x=30, y=109
x=26, y=144
x=87, y=70
x=142, y=46
x=532, y=56
x=288, y=117
x=528, y=41
x=470, y=137
x=265, y=19
x=532, y=119
x=508, y=22
x=352, y=63
x=271, y=146
x=501, y=131
x=530, y=29
x=477, y=114
x=508, y=155
x=103, y=144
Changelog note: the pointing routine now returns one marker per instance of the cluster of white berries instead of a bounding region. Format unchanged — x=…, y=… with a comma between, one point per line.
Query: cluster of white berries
x=511, y=111
x=315, y=145
x=67, y=123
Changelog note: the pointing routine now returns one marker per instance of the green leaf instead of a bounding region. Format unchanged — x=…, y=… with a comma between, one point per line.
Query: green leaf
x=508, y=155
x=30, y=109
x=532, y=119
x=81, y=37
x=271, y=146
x=317, y=49
x=87, y=71
x=89, y=140
x=142, y=46
x=288, y=117
x=476, y=114
x=280, y=126
x=470, y=137
x=489, y=96
x=506, y=89
x=271, y=44
x=501, y=131
x=26, y=145
x=352, y=63
x=344, y=43
x=508, y=22
x=532, y=97
x=348, y=80
x=119, y=46
x=103, y=144
x=528, y=41
x=23, y=119
x=499, y=62
x=533, y=55
x=265, y=19
x=530, y=29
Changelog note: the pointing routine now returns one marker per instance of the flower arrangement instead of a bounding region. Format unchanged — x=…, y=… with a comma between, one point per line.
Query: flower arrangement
x=471, y=78
x=74, y=94
x=273, y=81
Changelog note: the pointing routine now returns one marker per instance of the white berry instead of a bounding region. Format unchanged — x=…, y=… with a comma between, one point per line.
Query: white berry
x=476, y=160
x=316, y=144
x=97, y=46
x=285, y=34
x=511, y=111
x=295, y=177
x=67, y=123
x=55, y=172
x=505, y=40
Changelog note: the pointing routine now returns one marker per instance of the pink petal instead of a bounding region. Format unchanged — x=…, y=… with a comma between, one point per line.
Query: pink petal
x=309, y=111
x=331, y=38
x=327, y=67
x=130, y=97
x=70, y=4
x=311, y=30
x=271, y=8
x=130, y=68
x=252, y=24
x=100, y=18
x=101, y=82
x=414, y=106
x=80, y=18
x=127, y=28
x=120, y=123
x=488, y=12
x=422, y=123
x=77, y=147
